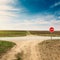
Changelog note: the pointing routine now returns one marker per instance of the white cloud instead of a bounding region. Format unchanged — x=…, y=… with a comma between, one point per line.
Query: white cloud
x=5, y=8
x=56, y=4
x=9, y=22
x=29, y=24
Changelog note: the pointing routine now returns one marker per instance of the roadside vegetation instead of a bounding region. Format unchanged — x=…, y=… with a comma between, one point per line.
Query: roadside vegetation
x=45, y=33
x=19, y=56
x=49, y=50
x=17, y=33
x=5, y=46
x=11, y=33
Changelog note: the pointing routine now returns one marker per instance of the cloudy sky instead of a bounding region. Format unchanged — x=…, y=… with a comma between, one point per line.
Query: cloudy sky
x=29, y=14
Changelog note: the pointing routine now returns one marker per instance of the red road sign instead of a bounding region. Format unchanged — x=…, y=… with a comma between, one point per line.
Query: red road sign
x=51, y=29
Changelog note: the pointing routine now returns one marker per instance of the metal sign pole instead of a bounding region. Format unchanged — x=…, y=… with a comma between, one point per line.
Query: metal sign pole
x=51, y=36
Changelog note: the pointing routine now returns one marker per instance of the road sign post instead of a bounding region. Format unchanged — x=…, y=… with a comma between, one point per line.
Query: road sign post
x=51, y=29
x=51, y=36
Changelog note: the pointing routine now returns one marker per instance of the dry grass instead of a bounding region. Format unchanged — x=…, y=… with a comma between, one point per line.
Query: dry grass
x=49, y=50
x=19, y=56
x=45, y=33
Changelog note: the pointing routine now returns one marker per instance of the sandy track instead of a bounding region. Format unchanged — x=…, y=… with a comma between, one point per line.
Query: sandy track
x=18, y=48
x=26, y=44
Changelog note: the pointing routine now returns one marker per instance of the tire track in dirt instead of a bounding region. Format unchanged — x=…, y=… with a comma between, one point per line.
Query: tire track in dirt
x=29, y=47
x=10, y=55
x=34, y=51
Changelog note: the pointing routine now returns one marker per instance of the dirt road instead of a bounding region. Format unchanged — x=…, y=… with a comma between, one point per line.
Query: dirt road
x=27, y=45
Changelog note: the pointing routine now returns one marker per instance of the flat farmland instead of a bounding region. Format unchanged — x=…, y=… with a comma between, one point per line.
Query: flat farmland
x=12, y=33
x=17, y=33
x=45, y=33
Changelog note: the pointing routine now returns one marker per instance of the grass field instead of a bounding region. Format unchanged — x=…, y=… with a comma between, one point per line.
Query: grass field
x=50, y=50
x=11, y=33
x=5, y=46
x=45, y=33
x=8, y=33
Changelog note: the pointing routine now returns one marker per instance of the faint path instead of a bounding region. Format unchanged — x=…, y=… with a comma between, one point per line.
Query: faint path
x=34, y=51
x=26, y=44
x=11, y=54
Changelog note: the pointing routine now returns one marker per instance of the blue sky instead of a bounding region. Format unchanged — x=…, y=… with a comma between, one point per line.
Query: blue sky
x=29, y=14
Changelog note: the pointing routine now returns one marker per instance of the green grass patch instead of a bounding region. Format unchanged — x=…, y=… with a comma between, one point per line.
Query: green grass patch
x=5, y=46
x=12, y=33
